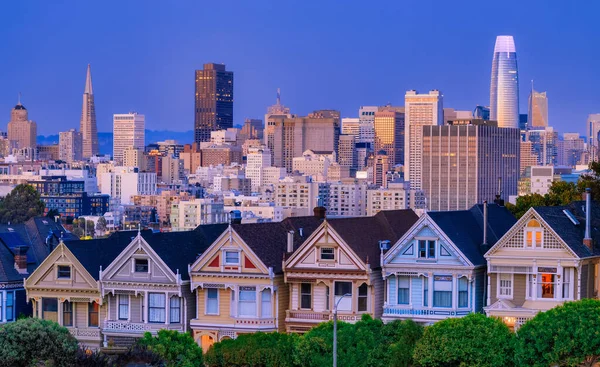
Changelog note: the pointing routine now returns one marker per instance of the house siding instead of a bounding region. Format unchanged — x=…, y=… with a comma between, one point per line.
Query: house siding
x=282, y=299
x=189, y=302
x=416, y=291
x=479, y=286
x=585, y=281
x=135, y=309
x=393, y=291
x=519, y=289
x=378, y=290
x=493, y=288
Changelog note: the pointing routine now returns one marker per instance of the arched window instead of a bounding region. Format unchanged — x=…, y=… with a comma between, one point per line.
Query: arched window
x=534, y=234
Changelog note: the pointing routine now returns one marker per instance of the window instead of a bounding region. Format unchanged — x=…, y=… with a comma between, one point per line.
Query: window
x=232, y=304
x=427, y=249
x=442, y=291
x=533, y=234
x=306, y=296
x=156, y=307
x=232, y=257
x=505, y=285
x=327, y=298
x=266, y=310
x=463, y=292
x=403, y=290
x=123, y=307
x=247, y=301
x=212, y=301
x=546, y=285
x=93, y=314
x=362, y=297
x=341, y=289
x=50, y=309
x=175, y=310
x=327, y=253
x=567, y=283
x=141, y=265
x=10, y=306
x=63, y=272
x=67, y=313
x=426, y=292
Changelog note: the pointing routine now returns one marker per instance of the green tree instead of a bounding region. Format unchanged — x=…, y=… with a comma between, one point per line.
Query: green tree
x=22, y=203
x=34, y=342
x=178, y=349
x=524, y=203
x=91, y=227
x=591, y=180
x=253, y=350
x=101, y=224
x=471, y=341
x=562, y=193
x=403, y=336
x=52, y=213
x=567, y=335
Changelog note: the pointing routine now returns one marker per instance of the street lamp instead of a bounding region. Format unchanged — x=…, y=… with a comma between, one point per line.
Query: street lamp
x=335, y=327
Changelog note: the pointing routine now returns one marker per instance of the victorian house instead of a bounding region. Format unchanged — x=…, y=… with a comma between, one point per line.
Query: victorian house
x=548, y=257
x=238, y=280
x=338, y=265
x=436, y=269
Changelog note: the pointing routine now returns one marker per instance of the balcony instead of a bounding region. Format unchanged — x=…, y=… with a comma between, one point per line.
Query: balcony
x=249, y=323
x=126, y=327
x=85, y=333
x=426, y=313
x=318, y=317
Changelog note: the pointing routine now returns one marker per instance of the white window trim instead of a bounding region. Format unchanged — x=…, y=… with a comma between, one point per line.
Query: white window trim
x=410, y=299
x=512, y=286
x=321, y=253
x=225, y=251
x=119, y=307
x=533, y=230
x=468, y=293
x=427, y=239
x=70, y=271
x=206, y=303
x=133, y=259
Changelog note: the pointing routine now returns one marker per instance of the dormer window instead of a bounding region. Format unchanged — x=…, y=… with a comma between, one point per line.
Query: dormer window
x=327, y=253
x=533, y=235
x=232, y=258
x=63, y=272
x=426, y=249
x=141, y=265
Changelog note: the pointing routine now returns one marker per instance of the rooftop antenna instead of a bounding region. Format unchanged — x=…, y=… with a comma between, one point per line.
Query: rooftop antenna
x=19, y=100
x=278, y=96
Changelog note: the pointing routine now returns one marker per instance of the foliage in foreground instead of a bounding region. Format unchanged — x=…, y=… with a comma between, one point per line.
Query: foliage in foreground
x=568, y=335
x=178, y=349
x=258, y=349
x=22, y=203
x=471, y=341
x=32, y=342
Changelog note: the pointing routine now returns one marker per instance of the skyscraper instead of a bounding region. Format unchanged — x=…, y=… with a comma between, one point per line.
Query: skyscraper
x=389, y=133
x=70, y=146
x=88, y=128
x=22, y=133
x=538, y=109
x=420, y=110
x=504, y=87
x=214, y=101
x=128, y=131
x=463, y=161
x=593, y=135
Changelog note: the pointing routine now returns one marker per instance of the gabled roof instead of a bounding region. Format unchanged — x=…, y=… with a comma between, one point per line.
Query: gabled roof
x=363, y=234
x=8, y=273
x=465, y=228
x=569, y=232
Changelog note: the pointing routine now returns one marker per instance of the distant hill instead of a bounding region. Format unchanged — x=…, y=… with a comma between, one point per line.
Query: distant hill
x=105, y=139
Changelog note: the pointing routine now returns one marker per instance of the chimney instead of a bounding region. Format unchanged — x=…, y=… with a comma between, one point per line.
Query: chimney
x=499, y=201
x=587, y=240
x=484, y=245
x=319, y=212
x=290, y=241
x=21, y=259
x=235, y=217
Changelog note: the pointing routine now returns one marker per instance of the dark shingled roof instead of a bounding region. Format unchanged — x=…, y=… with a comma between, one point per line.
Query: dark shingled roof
x=8, y=273
x=465, y=228
x=570, y=233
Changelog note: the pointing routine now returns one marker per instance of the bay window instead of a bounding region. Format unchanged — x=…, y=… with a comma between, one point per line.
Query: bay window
x=463, y=292
x=175, y=310
x=546, y=285
x=212, y=301
x=567, y=275
x=156, y=307
x=266, y=309
x=442, y=291
x=403, y=290
x=340, y=289
x=247, y=304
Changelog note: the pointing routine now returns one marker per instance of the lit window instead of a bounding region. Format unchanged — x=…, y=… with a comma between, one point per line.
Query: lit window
x=533, y=234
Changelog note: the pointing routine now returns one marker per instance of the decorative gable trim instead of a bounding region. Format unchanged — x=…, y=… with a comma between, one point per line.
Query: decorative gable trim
x=520, y=225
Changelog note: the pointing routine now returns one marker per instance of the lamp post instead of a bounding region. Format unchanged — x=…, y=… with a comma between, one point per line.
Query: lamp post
x=335, y=307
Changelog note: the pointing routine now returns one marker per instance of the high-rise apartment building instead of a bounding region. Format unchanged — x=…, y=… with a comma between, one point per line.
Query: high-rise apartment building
x=252, y=129
x=397, y=196
x=22, y=133
x=463, y=162
x=504, y=86
x=528, y=158
x=593, y=134
x=134, y=157
x=122, y=183
x=347, y=151
x=420, y=110
x=214, y=101
x=366, y=119
x=189, y=214
x=538, y=109
x=256, y=161
x=70, y=146
x=351, y=126
x=87, y=124
x=389, y=133
x=128, y=131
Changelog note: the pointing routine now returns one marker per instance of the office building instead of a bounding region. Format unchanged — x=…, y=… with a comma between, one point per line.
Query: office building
x=87, y=125
x=347, y=151
x=504, y=86
x=172, y=170
x=252, y=129
x=481, y=112
x=541, y=179
x=70, y=146
x=168, y=147
x=389, y=133
x=523, y=118
x=420, y=110
x=366, y=119
x=538, y=109
x=463, y=163
x=314, y=163
x=70, y=198
x=528, y=158
x=351, y=126
x=224, y=154
x=134, y=157
x=397, y=196
x=214, y=101
x=191, y=157
x=381, y=166
x=571, y=150
x=301, y=194
x=258, y=161
x=21, y=132
x=186, y=215
x=128, y=131
x=124, y=182
x=544, y=145
x=363, y=150
x=593, y=135
x=233, y=183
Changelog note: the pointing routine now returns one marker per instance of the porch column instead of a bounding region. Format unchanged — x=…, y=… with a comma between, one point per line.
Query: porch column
x=258, y=302
x=167, y=308
x=39, y=307
x=559, y=281
x=60, y=309
x=534, y=281
x=146, y=311
x=430, y=291
x=3, y=311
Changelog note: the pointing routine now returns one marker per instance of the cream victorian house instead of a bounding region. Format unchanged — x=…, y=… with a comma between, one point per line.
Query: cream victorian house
x=238, y=280
x=548, y=257
x=339, y=263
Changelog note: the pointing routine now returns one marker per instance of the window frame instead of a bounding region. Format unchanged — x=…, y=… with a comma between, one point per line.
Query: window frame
x=332, y=254
x=172, y=307
x=59, y=270
x=426, y=247
x=425, y=291
x=244, y=301
x=120, y=303
x=499, y=286
x=408, y=290
x=335, y=295
x=458, y=294
x=65, y=311
x=44, y=310
x=163, y=308
x=533, y=231
x=135, y=265
x=231, y=252
x=263, y=303
x=208, y=299
x=451, y=291
x=304, y=294
x=364, y=297
x=93, y=311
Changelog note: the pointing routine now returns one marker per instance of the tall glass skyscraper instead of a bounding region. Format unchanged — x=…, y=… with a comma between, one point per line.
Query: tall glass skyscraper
x=504, y=88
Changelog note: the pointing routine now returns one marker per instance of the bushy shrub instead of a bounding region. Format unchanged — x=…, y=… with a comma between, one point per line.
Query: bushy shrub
x=177, y=349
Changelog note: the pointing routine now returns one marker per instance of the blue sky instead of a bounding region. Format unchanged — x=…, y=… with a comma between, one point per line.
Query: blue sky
x=322, y=54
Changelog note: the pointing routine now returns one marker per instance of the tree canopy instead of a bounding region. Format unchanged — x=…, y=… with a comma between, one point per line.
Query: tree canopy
x=178, y=349
x=22, y=203
x=471, y=341
x=568, y=335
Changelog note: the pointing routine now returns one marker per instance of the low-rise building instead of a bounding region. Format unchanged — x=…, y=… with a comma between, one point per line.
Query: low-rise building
x=187, y=215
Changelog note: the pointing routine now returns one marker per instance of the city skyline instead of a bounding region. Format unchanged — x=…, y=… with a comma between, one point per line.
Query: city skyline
x=52, y=91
